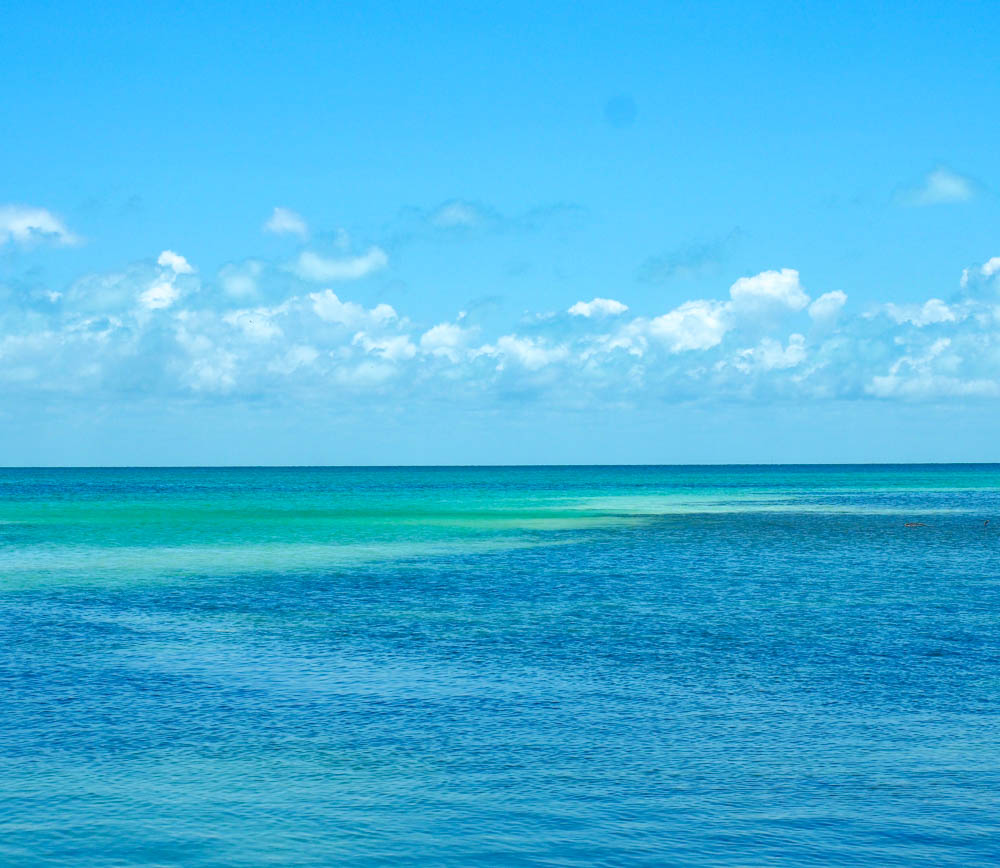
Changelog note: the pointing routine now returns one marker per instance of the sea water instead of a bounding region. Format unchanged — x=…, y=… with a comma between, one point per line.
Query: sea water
x=500, y=666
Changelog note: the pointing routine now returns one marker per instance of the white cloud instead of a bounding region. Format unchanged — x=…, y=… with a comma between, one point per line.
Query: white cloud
x=925, y=387
x=529, y=353
x=446, y=339
x=941, y=186
x=931, y=312
x=256, y=323
x=23, y=224
x=630, y=337
x=985, y=271
x=159, y=296
x=175, y=262
x=329, y=307
x=769, y=289
x=827, y=305
x=284, y=221
x=152, y=328
x=215, y=371
x=770, y=355
x=934, y=373
x=694, y=325
x=312, y=266
x=598, y=307
x=396, y=349
x=204, y=366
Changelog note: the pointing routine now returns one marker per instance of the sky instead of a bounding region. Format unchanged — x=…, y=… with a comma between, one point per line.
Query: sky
x=499, y=233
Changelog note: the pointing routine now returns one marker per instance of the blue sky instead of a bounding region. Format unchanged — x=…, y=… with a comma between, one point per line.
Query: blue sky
x=376, y=234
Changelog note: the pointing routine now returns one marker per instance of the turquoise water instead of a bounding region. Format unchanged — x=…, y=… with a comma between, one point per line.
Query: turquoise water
x=486, y=666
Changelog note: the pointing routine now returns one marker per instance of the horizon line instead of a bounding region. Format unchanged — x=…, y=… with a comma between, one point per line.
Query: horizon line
x=491, y=466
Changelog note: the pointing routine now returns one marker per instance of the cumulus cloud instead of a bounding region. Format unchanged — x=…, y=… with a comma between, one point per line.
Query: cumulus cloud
x=694, y=325
x=446, y=339
x=986, y=271
x=931, y=312
x=311, y=266
x=530, y=353
x=598, y=307
x=330, y=308
x=770, y=289
x=933, y=373
x=940, y=186
x=160, y=327
x=769, y=354
x=704, y=323
x=160, y=295
x=23, y=224
x=395, y=348
x=827, y=305
x=258, y=324
x=284, y=221
x=175, y=262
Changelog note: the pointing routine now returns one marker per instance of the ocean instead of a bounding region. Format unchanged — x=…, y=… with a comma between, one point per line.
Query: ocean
x=559, y=666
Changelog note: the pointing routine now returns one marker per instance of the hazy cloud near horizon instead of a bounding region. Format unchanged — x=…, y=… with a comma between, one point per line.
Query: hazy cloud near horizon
x=259, y=330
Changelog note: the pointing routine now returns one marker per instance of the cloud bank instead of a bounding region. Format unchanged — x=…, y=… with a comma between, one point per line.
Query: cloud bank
x=163, y=328
x=22, y=224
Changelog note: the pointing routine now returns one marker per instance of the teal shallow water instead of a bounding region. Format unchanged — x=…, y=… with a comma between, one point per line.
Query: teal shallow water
x=502, y=666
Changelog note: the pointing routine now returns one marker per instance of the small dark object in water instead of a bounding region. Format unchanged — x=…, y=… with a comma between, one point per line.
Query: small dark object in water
x=914, y=524
x=986, y=522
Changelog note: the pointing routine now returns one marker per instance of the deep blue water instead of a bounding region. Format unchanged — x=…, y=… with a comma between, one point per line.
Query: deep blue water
x=521, y=666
